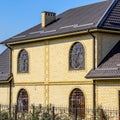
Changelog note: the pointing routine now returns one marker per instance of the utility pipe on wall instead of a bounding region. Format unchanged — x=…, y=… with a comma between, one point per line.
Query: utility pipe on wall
x=94, y=85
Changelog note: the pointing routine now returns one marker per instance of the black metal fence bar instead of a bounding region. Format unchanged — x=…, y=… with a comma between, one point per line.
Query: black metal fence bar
x=57, y=113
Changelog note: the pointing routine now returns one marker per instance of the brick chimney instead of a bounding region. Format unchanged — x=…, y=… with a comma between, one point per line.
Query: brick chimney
x=47, y=17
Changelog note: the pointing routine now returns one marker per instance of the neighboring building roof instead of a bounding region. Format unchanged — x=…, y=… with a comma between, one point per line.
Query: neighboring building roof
x=4, y=77
x=112, y=20
x=109, y=67
x=5, y=65
x=105, y=15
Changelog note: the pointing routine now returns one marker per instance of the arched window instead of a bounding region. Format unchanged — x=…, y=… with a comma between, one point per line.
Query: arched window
x=23, y=61
x=76, y=57
x=77, y=103
x=22, y=101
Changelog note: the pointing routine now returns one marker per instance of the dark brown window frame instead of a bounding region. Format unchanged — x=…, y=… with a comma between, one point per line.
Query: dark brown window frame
x=77, y=57
x=22, y=101
x=77, y=103
x=23, y=62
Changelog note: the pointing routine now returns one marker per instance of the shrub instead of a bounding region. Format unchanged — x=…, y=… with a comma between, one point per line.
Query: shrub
x=4, y=115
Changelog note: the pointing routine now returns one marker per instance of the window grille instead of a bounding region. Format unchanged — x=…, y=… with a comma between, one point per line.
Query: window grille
x=77, y=103
x=23, y=61
x=76, y=57
x=22, y=101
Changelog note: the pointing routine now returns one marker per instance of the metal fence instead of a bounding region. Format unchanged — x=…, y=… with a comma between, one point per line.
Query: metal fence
x=57, y=113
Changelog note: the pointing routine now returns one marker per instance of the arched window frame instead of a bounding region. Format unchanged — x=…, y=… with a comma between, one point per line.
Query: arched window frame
x=23, y=62
x=77, y=57
x=22, y=101
x=77, y=103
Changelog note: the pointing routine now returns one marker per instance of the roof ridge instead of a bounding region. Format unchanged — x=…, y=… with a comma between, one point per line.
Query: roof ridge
x=107, y=12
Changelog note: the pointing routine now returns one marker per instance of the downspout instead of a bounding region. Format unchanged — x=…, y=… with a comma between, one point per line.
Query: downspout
x=94, y=99
x=10, y=97
x=10, y=88
x=94, y=84
x=93, y=48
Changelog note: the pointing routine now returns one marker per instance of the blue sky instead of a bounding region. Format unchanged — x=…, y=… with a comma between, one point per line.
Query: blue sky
x=19, y=15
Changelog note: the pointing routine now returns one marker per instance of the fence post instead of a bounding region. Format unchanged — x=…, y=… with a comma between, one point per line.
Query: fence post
x=76, y=113
x=0, y=111
x=10, y=111
x=53, y=113
x=0, y=107
x=33, y=110
x=94, y=114
x=15, y=112
x=101, y=114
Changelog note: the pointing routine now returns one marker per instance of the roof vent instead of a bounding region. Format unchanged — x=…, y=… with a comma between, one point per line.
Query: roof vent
x=118, y=65
x=47, y=17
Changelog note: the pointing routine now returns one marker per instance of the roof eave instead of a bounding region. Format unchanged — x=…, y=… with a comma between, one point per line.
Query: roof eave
x=102, y=77
x=6, y=81
x=62, y=35
x=46, y=37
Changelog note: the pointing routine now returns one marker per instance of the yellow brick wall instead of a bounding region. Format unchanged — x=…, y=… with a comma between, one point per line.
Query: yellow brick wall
x=59, y=59
x=49, y=71
x=58, y=63
x=59, y=96
x=106, y=90
x=107, y=94
x=35, y=94
x=36, y=63
x=49, y=78
x=4, y=94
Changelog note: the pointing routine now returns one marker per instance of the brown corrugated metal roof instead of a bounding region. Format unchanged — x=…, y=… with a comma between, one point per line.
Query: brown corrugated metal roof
x=73, y=20
x=5, y=65
x=109, y=67
x=112, y=20
x=4, y=77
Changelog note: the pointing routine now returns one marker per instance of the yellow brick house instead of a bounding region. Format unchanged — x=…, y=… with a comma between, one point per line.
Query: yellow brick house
x=69, y=59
